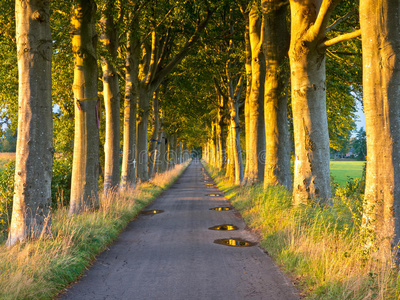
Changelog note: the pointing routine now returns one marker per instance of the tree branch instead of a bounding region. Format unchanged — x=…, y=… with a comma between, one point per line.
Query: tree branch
x=184, y=51
x=318, y=29
x=340, y=38
x=239, y=87
x=340, y=20
x=219, y=90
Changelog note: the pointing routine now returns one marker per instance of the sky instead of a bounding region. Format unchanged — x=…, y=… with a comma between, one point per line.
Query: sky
x=360, y=116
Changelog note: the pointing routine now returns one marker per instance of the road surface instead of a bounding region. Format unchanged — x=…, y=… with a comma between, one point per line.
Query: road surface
x=172, y=255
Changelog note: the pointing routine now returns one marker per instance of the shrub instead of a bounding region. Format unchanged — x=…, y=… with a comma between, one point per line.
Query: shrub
x=6, y=194
x=61, y=181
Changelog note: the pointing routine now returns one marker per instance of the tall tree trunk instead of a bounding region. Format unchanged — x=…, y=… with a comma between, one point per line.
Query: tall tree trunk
x=275, y=48
x=218, y=131
x=157, y=156
x=237, y=151
x=248, y=61
x=163, y=153
x=85, y=169
x=256, y=130
x=381, y=76
x=230, y=163
x=33, y=170
x=109, y=39
x=154, y=132
x=142, y=125
x=308, y=80
x=130, y=109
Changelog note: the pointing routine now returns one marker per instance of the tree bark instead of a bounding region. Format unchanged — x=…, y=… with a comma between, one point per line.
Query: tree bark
x=248, y=61
x=157, y=156
x=163, y=153
x=308, y=80
x=275, y=48
x=111, y=94
x=381, y=95
x=154, y=132
x=219, y=133
x=33, y=170
x=142, y=125
x=256, y=140
x=85, y=169
x=128, y=177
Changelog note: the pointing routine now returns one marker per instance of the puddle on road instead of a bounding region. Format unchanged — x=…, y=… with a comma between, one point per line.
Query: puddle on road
x=224, y=227
x=222, y=208
x=151, y=212
x=214, y=195
x=234, y=242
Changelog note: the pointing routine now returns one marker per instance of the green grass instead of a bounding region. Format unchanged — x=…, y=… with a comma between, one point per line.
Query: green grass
x=318, y=247
x=341, y=171
x=40, y=269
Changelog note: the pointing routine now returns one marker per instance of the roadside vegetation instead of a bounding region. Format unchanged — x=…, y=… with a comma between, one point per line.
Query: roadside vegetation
x=40, y=269
x=319, y=247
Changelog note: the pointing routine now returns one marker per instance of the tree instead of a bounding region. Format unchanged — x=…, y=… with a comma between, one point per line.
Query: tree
x=132, y=54
x=381, y=89
x=359, y=144
x=309, y=20
x=275, y=47
x=32, y=190
x=85, y=170
x=256, y=129
x=109, y=39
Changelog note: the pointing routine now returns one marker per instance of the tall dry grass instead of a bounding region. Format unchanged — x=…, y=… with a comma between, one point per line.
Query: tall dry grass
x=40, y=269
x=320, y=248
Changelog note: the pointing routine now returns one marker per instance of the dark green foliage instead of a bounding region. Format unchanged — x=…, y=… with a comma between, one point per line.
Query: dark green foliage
x=360, y=144
x=61, y=182
x=8, y=142
x=6, y=195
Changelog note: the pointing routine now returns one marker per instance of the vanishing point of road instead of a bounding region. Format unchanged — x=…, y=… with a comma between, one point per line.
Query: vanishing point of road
x=172, y=255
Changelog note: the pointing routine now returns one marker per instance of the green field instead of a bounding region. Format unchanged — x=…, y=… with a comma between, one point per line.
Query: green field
x=5, y=158
x=341, y=171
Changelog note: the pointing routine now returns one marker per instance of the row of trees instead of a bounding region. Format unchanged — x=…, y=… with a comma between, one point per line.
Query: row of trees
x=141, y=43
x=272, y=57
x=239, y=75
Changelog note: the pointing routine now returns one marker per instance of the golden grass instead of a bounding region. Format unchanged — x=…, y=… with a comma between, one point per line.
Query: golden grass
x=318, y=247
x=40, y=269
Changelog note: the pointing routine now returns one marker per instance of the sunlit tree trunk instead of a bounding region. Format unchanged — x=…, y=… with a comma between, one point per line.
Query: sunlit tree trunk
x=275, y=48
x=230, y=162
x=248, y=60
x=219, y=134
x=85, y=169
x=130, y=109
x=109, y=39
x=381, y=94
x=308, y=80
x=33, y=170
x=256, y=140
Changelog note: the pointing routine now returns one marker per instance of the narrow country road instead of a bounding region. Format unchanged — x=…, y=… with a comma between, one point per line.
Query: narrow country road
x=172, y=255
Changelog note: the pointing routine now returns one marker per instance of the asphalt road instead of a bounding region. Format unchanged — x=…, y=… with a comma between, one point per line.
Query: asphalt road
x=172, y=255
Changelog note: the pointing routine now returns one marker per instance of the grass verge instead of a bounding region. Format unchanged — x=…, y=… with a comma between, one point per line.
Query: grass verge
x=318, y=247
x=42, y=268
